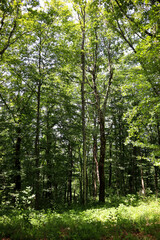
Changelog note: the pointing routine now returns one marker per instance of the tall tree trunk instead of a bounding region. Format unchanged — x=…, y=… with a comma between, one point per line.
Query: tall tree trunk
x=81, y=176
x=83, y=107
x=118, y=177
x=37, y=153
x=101, y=115
x=95, y=161
x=70, y=173
x=48, y=158
x=132, y=172
x=17, y=178
x=110, y=165
x=102, y=158
x=37, y=150
x=101, y=118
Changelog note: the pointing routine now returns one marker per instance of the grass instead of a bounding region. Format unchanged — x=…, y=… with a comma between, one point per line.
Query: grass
x=124, y=218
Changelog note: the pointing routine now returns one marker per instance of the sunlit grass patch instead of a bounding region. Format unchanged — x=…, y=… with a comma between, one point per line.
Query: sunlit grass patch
x=124, y=221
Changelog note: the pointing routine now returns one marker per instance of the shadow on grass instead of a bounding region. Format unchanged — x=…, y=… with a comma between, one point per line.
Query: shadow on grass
x=69, y=228
x=115, y=221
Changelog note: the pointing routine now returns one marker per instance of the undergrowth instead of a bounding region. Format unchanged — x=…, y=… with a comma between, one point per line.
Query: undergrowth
x=124, y=218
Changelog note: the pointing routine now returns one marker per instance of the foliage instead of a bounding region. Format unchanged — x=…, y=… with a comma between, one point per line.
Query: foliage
x=46, y=159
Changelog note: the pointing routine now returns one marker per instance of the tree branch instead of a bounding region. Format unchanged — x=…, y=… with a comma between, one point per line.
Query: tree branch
x=9, y=39
x=7, y=106
x=2, y=21
x=131, y=19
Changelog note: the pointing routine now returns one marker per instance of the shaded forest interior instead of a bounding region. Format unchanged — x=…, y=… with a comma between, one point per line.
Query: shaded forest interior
x=79, y=101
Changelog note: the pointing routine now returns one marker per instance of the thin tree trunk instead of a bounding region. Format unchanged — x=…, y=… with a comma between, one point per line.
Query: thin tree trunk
x=81, y=176
x=102, y=134
x=142, y=182
x=49, y=165
x=37, y=153
x=101, y=113
x=118, y=177
x=70, y=174
x=37, y=150
x=110, y=165
x=102, y=158
x=83, y=108
x=95, y=161
x=17, y=161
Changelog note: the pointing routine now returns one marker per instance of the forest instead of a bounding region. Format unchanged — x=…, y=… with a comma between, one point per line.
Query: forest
x=79, y=119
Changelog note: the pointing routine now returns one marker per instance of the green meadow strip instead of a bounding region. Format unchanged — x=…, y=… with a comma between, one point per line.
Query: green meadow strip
x=136, y=221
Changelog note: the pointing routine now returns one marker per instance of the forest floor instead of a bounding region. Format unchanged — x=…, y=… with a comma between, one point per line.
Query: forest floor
x=119, y=218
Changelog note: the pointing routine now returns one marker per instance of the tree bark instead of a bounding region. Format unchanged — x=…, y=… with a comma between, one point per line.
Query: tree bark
x=110, y=165
x=142, y=183
x=102, y=158
x=17, y=161
x=70, y=173
x=37, y=150
x=83, y=107
x=37, y=153
x=95, y=161
x=48, y=157
x=101, y=116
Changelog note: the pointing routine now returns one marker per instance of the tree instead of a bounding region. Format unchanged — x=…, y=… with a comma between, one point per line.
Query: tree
x=79, y=101
x=12, y=17
x=80, y=8
x=94, y=68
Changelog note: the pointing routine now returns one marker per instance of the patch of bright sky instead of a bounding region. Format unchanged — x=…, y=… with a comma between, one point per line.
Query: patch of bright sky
x=41, y=3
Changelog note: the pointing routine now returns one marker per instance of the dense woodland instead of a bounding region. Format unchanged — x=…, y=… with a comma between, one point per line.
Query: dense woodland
x=79, y=101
